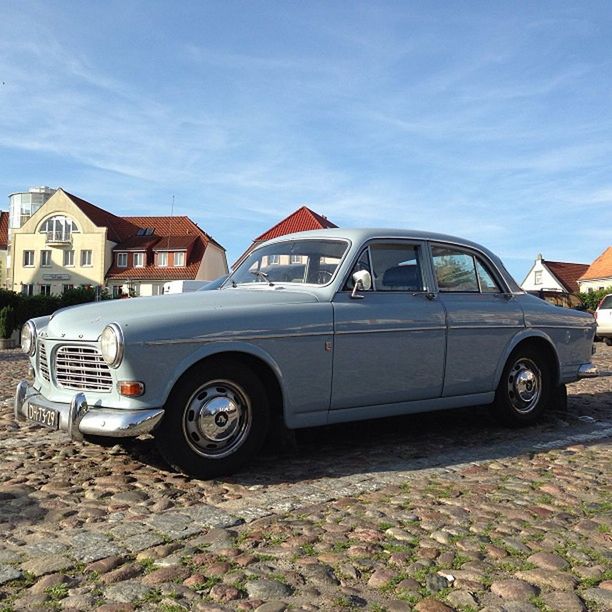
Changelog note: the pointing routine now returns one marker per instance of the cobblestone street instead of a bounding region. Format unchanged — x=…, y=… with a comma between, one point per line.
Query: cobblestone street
x=434, y=512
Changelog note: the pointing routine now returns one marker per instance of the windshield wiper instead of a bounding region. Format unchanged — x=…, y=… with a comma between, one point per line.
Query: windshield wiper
x=263, y=275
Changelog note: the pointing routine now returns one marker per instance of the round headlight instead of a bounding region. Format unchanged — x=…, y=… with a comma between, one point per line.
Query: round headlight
x=28, y=338
x=111, y=345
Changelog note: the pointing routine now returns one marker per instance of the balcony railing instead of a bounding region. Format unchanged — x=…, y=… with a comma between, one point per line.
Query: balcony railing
x=58, y=237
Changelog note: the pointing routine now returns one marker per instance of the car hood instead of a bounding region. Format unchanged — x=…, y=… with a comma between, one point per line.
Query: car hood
x=86, y=322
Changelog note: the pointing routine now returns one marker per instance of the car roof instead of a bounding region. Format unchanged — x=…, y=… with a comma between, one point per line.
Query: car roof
x=359, y=235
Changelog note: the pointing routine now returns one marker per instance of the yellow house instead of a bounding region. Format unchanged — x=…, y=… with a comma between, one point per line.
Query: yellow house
x=66, y=243
x=69, y=242
x=3, y=248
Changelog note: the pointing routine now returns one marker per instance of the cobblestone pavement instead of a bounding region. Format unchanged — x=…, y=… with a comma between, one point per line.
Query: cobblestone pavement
x=430, y=512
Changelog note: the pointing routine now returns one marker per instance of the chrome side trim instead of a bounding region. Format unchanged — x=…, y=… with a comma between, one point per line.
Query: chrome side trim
x=588, y=370
x=234, y=338
x=484, y=326
x=550, y=326
x=394, y=330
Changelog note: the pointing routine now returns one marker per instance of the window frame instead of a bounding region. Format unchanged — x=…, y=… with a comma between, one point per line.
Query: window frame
x=27, y=255
x=139, y=259
x=44, y=252
x=182, y=254
x=477, y=255
x=160, y=255
x=422, y=259
x=68, y=264
x=122, y=256
x=83, y=263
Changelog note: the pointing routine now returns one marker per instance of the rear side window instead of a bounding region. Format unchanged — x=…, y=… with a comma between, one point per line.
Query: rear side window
x=460, y=271
x=606, y=302
x=396, y=267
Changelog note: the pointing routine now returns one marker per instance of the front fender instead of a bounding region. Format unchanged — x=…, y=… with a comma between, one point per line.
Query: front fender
x=218, y=348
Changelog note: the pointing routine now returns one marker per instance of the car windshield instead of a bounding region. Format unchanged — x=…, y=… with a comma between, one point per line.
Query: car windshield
x=294, y=261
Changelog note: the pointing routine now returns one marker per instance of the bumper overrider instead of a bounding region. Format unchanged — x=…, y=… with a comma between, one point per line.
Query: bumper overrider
x=79, y=419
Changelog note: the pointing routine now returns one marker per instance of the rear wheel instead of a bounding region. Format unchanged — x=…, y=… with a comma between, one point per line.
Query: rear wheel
x=215, y=419
x=524, y=389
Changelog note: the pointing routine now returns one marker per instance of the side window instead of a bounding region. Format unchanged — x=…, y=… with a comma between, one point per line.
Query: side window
x=488, y=284
x=455, y=270
x=462, y=272
x=396, y=267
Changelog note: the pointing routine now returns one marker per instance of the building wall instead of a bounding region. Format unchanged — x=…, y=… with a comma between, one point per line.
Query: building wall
x=89, y=237
x=3, y=270
x=548, y=281
x=214, y=263
x=587, y=286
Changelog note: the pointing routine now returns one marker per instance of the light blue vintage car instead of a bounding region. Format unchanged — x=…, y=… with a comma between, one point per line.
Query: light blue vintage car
x=313, y=328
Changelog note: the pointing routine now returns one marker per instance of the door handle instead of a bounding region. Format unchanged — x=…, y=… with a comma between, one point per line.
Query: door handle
x=430, y=295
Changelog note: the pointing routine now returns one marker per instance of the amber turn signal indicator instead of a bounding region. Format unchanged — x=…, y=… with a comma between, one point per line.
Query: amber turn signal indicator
x=131, y=388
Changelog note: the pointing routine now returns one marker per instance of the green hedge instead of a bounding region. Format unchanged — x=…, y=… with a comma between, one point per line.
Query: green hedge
x=30, y=306
x=591, y=300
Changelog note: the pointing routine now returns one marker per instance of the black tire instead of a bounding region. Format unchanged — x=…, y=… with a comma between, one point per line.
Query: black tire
x=608, y=341
x=525, y=388
x=216, y=418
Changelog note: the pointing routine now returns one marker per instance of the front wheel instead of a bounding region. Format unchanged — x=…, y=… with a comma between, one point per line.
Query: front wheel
x=524, y=389
x=216, y=418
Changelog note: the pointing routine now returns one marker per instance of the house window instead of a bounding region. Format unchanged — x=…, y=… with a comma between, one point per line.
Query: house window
x=139, y=260
x=58, y=229
x=45, y=258
x=273, y=259
x=296, y=259
x=28, y=258
x=27, y=289
x=86, y=258
x=158, y=289
x=179, y=259
x=45, y=290
x=69, y=258
x=537, y=277
x=67, y=288
x=162, y=259
x=122, y=260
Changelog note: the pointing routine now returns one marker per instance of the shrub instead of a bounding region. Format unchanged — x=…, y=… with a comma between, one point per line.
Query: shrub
x=78, y=295
x=7, y=321
x=9, y=298
x=591, y=300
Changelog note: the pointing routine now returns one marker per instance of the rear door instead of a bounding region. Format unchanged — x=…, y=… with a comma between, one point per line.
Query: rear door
x=482, y=317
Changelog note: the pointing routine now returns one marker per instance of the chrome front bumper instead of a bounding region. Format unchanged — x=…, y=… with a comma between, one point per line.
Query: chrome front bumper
x=78, y=418
x=588, y=370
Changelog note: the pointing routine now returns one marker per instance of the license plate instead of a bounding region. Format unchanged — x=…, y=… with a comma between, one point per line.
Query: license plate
x=43, y=416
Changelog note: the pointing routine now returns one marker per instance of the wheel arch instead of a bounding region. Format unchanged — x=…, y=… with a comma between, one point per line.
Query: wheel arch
x=535, y=339
x=257, y=360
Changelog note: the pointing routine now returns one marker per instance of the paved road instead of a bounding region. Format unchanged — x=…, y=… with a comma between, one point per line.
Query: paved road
x=428, y=512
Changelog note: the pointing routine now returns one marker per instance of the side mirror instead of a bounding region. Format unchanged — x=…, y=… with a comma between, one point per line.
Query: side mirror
x=362, y=282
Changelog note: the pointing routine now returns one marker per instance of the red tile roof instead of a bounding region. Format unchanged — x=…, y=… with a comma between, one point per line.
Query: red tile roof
x=302, y=220
x=119, y=228
x=3, y=230
x=566, y=273
x=601, y=267
x=173, y=243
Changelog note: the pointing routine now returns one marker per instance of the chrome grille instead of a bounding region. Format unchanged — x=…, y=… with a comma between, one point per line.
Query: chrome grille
x=82, y=368
x=43, y=363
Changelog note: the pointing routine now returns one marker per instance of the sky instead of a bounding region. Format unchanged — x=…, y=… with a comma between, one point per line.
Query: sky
x=488, y=120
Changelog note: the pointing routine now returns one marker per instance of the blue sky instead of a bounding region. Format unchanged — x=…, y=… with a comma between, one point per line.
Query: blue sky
x=489, y=120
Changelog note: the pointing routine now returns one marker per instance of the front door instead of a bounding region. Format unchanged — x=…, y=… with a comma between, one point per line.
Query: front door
x=389, y=345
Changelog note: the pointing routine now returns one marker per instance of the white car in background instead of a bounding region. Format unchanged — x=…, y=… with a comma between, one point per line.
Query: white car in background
x=603, y=316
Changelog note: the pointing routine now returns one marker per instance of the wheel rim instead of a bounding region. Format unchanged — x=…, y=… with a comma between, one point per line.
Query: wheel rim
x=217, y=419
x=524, y=385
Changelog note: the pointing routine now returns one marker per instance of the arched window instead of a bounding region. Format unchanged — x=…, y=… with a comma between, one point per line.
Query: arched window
x=58, y=228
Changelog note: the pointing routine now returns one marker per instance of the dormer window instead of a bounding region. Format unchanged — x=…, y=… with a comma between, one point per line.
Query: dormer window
x=122, y=260
x=179, y=259
x=139, y=260
x=162, y=259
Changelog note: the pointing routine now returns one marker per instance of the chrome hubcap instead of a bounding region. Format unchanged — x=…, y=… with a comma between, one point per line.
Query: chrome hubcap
x=217, y=419
x=524, y=385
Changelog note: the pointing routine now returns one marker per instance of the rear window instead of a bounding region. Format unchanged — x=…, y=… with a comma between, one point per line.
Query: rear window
x=606, y=303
